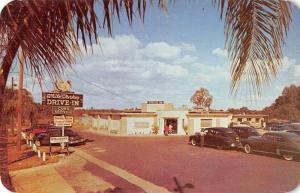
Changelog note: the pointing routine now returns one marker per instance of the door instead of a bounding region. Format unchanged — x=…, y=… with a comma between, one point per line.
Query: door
x=209, y=138
x=267, y=143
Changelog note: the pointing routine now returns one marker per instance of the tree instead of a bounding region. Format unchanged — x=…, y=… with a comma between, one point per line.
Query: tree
x=286, y=106
x=202, y=99
x=47, y=32
x=10, y=106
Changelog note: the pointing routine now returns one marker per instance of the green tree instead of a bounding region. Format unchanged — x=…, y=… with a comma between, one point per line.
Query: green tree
x=286, y=106
x=47, y=32
x=202, y=99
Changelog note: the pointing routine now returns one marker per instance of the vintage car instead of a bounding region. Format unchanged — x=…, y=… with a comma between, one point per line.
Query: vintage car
x=44, y=138
x=297, y=132
x=284, y=144
x=219, y=137
x=245, y=132
x=37, y=129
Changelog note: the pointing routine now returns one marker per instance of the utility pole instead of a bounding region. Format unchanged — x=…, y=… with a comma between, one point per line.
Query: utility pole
x=20, y=91
x=12, y=113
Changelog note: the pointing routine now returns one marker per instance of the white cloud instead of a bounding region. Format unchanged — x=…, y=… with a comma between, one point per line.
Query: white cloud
x=188, y=47
x=172, y=70
x=297, y=72
x=161, y=50
x=187, y=59
x=287, y=63
x=220, y=52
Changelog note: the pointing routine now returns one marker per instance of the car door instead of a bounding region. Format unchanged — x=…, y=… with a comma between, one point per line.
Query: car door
x=208, y=138
x=267, y=143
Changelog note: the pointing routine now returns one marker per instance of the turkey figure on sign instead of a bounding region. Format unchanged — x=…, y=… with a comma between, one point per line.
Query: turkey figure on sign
x=63, y=86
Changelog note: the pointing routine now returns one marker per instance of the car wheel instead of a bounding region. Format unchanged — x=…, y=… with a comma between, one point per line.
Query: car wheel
x=37, y=143
x=194, y=143
x=247, y=148
x=287, y=157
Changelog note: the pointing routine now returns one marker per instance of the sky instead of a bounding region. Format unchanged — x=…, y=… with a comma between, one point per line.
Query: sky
x=168, y=57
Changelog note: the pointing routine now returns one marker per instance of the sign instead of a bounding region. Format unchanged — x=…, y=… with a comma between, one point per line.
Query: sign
x=62, y=110
x=155, y=102
x=64, y=139
x=62, y=121
x=62, y=99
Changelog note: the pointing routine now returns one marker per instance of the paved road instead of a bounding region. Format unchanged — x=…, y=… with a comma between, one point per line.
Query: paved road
x=159, y=159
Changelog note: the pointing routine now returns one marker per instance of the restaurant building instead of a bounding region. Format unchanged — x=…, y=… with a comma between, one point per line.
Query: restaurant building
x=151, y=117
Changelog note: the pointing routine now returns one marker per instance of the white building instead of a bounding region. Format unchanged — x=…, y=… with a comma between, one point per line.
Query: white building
x=153, y=115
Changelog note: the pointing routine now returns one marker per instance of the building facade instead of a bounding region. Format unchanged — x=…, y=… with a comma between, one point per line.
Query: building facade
x=153, y=115
x=257, y=121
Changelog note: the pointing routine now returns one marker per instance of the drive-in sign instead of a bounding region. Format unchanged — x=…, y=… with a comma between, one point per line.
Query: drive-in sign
x=62, y=99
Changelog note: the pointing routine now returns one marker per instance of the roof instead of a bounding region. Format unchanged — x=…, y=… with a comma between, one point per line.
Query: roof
x=220, y=128
x=249, y=115
x=280, y=133
x=209, y=114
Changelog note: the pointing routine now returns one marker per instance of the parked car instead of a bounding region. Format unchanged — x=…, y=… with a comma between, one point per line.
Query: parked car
x=284, y=144
x=245, y=132
x=44, y=138
x=297, y=132
x=219, y=137
x=41, y=129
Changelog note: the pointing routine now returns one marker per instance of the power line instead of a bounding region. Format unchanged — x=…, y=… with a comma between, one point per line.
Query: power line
x=105, y=89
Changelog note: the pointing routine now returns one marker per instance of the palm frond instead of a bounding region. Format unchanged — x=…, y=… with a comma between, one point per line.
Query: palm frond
x=48, y=31
x=255, y=32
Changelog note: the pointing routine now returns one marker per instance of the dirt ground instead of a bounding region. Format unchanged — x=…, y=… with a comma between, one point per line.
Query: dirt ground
x=27, y=158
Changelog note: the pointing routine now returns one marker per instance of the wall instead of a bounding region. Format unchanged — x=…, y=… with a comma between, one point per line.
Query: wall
x=216, y=122
x=133, y=123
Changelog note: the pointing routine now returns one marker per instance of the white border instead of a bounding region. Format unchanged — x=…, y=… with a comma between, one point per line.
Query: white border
x=3, y=3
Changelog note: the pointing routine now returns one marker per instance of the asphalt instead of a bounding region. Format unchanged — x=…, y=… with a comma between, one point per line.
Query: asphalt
x=159, y=159
x=158, y=164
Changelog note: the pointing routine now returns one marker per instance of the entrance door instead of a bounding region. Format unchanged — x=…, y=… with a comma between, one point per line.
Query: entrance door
x=171, y=123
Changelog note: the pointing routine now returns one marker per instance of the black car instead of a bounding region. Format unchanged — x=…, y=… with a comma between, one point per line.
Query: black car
x=219, y=137
x=297, y=132
x=245, y=132
x=44, y=138
x=284, y=144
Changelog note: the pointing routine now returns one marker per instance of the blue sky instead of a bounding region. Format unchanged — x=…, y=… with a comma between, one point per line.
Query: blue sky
x=167, y=58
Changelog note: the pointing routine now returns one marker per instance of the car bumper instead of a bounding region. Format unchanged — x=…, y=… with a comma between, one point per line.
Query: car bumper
x=76, y=141
x=236, y=145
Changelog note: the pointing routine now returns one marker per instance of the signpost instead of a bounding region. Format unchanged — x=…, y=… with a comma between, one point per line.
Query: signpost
x=63, y=103
x=61, y=140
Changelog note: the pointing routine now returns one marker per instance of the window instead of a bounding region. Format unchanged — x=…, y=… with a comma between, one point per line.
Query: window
x=239, y=119
x=206, y=123
x=141, y=125
x=248, y=119
x=268, y=137
x=257, y=120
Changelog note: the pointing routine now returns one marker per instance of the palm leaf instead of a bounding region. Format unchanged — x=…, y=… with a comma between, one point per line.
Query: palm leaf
x=255, y=32
x=48, y=31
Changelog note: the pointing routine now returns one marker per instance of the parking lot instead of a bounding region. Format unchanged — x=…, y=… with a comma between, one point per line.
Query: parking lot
x=159, y=159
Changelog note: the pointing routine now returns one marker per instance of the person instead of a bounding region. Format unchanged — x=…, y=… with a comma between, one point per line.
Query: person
x=170, y=128
x=202, y=134
x=166, y=130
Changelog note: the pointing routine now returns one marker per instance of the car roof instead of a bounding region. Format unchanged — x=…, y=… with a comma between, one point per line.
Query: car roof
x=242, y=127
x=225, y=129
x=280, y=133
